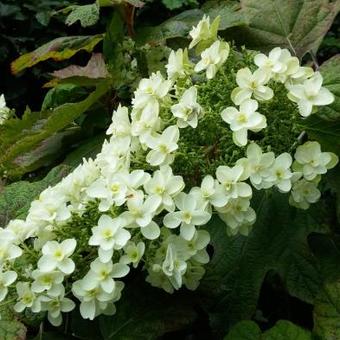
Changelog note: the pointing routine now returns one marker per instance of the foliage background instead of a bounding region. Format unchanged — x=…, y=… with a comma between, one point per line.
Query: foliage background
x=281, y=281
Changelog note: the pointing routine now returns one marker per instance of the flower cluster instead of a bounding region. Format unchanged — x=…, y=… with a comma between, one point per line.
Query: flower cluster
x=135, y=210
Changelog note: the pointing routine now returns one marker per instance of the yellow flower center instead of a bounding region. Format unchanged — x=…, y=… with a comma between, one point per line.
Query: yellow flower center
x=163, y=148
x=58, y=254
x=107, y=233
x=187, y=217
x=242, y=118
x=115, y=188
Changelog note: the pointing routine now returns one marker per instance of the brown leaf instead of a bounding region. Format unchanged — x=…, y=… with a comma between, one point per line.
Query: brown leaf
x=94, y=69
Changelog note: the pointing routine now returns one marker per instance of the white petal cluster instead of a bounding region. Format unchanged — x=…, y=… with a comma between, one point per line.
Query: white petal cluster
x=145, y=216
x=187, y=110
x=179, y=65
x=311, y=161
x=4, y=110
x=179, y=262
x=309, y=94
x=204, y=31
x=244, y=119
x=252, y=85
x=213, y=58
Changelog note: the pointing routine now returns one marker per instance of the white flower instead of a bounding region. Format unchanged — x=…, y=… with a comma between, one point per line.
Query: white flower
x=238, y=215
x=258, y=165
x=56, y=256
x=49, y=281
x=110, y=190
x=213, y=58
x=189, y=216
x=4, y=110
x=251, y=84
x=280, y=173
x=298, y=77
x=21, y=229
x=211, y=191
x=204, y=31
x=109, y=234
x=8, y=251
x=231, y=178
x=179, y=65
x=2, y=102
x=279, y=63
x=95, y=301
x=165, y=185
x=145, y=122
x=26, y=298
x=114, y=156
x=247, y=118
x=55, y=305
x=103, y=274
x=120, y=126
x=6, y=279
x=309, y=94
x=140, y=212
x=173, y=267
x=133, y=253
x=162, y=146
x=196, y=246
x=188, y=111
x=116, y=188
x=311, y=161
x=75, y=184
x=303, y=194
x=150, y=90
x=272, y=62
x=50, y=207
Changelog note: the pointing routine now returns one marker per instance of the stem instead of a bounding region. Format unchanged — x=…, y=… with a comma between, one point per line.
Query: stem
x=315, y=61
x=7, y=303
x=28, y=250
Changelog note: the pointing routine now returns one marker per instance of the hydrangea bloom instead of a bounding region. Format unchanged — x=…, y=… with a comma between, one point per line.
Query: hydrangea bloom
x=169, y=163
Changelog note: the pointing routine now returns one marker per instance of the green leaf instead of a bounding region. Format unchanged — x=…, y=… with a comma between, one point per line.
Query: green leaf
x=181, y=24
x=244, y=330
x=61, y=94
x=326, y=132
x=299, y=25
x=15, y=199
x=57, y=49
x=174, y=4
x=326, y=250
x=285, y=330
x=229, y=12
x=239, y=264
x=324, y=126
x=177, y=26
x=147, y=313
x=88, y=15
x=88, y=149
x=110, y=3
x=327, y=312
x=28, y=141
x=330, y=71
x=53, y=336
x=114, y=35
